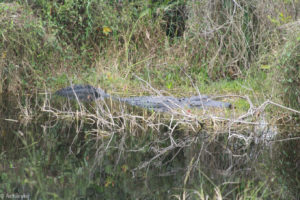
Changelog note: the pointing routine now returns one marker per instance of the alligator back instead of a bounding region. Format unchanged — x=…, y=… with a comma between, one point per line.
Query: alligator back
x=156, y=103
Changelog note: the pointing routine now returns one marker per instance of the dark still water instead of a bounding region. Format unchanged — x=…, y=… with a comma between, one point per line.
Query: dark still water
x=77, y=152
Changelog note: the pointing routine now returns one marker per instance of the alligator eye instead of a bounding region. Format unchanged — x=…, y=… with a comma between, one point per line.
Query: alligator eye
x=96, y=94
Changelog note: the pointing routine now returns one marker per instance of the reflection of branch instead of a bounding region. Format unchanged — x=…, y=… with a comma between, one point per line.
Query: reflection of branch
x=159, y=153
x=162, y=152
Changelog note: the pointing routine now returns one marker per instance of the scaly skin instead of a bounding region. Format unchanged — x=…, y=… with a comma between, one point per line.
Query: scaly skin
x=156, y=103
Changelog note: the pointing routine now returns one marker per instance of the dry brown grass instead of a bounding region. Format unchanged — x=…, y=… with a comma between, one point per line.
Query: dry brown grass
x=230, y=36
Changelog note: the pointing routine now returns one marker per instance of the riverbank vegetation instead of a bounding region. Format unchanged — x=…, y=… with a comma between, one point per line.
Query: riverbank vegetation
x=245, y=52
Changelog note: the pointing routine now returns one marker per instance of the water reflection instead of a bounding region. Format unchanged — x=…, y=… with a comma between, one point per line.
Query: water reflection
x=49, y=158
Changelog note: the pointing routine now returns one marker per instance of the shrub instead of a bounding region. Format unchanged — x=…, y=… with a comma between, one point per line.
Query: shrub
x=90, y=22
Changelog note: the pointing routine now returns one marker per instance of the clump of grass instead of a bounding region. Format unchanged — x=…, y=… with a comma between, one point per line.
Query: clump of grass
x=28, y=51
x=289, y=68
x=230, y=36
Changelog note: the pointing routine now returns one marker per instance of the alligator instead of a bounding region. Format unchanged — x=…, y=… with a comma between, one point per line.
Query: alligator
x=155, y=103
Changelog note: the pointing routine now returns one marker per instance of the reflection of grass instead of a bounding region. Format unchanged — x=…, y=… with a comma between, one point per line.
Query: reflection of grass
x=91, y=151
x=47, y=169
x=248, y=190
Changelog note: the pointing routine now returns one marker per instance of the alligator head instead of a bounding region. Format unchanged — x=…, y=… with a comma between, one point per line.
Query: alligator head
x=82, y=92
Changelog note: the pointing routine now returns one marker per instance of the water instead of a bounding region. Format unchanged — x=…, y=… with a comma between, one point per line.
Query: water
x=74, y=156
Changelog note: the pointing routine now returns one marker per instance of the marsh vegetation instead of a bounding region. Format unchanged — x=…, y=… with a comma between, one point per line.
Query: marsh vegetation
x=244, y=52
